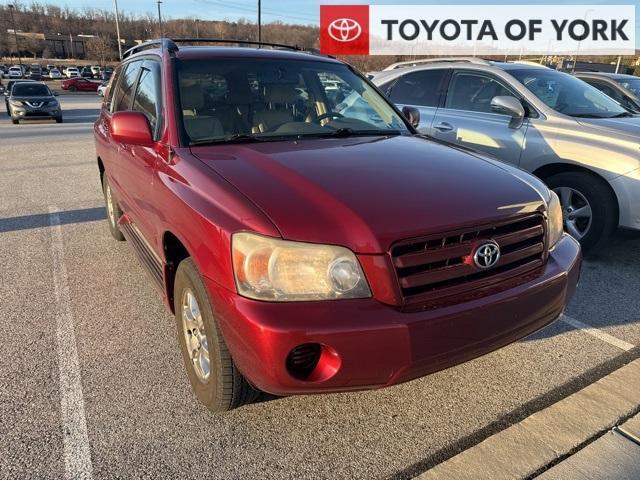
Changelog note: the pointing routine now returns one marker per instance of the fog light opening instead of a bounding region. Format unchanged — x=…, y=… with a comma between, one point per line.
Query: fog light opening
x=313, y=362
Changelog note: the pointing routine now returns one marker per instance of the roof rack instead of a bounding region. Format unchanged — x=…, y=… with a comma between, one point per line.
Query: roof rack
x=170, y=44
x=413, y=63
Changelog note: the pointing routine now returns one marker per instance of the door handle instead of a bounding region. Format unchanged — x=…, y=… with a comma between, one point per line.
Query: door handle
x=443, y=126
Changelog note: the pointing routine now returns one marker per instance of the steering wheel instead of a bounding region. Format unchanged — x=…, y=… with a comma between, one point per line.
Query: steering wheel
x=321, y=117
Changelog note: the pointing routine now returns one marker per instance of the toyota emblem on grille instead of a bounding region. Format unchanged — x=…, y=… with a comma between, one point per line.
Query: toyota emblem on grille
x=486, y=255
x=344, y=30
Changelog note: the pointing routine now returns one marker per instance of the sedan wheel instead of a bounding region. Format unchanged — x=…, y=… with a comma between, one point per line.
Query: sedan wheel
x=576, y=211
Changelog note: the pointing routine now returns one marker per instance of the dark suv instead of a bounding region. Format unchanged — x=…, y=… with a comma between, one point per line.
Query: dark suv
x=306, y=237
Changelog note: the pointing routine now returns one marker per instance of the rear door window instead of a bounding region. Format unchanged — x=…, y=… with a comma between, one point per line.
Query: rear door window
x=422, y=88
x=126, y=85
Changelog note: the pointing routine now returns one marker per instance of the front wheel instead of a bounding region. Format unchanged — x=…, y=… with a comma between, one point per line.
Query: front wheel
x=15, y=121
x=58, y=119
x=113, y=209
x=214, y=378
x=589, y=208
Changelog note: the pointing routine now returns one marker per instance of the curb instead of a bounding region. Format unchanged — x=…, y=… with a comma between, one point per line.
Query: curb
x=550, y=435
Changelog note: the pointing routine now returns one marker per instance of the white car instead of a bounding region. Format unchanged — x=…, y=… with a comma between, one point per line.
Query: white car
x=15, y=72
x=95, y=70
x=102, y=88
x=54, y=74
x=72, y=72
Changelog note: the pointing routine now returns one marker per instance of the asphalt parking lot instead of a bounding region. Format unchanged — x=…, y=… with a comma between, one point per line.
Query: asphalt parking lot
x=66, y=286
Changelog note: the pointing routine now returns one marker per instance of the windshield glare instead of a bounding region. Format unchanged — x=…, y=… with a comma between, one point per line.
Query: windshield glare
x=265, y=99
x=567, y=94
x=30, y=90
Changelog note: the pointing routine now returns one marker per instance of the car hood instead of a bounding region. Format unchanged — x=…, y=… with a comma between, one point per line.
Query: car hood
x=628, y=126
x=366, y=193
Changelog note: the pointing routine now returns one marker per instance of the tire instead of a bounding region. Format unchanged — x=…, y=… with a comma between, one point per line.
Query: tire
x=602, y=201
x=73, y=88
x=59, y=120
x=113, y=214
x=224, y=388
x=15, y=121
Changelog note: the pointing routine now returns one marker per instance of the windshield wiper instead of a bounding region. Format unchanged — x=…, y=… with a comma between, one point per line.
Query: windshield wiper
x=235, y=138
x=350, y=132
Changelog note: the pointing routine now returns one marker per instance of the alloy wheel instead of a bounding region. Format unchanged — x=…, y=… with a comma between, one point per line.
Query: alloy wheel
x=576, y=212
x=195, y=335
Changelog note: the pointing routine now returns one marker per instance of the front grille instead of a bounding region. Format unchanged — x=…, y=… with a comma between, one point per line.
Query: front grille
x=442, y=265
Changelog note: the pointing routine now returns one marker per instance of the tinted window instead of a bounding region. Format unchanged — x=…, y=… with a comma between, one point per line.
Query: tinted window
x=419, y=88
x=473, y=92
x=604, y=88
x=30, y=90
x=125, y=89
x=147, y=93
x=112, y=89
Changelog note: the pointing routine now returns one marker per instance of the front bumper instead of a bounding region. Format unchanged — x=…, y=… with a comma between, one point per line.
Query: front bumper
x=35, y=113
x=627, y=188
x=377, y=344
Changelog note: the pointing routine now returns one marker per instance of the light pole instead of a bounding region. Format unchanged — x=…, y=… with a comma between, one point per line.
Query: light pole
x=575, y=62
x=115, y=6
x=15, y=34
x=259, y=21
x=159, y=17
x=197, y=30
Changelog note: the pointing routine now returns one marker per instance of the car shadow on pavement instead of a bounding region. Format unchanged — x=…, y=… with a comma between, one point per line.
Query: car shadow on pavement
x=607, y=294
x=26, y=222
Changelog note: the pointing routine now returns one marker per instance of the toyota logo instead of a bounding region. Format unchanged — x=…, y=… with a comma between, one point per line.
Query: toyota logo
x=487, y=255
x=344, y=30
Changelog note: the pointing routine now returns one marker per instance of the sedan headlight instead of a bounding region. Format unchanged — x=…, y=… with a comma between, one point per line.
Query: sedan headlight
x=554, y=219
x=266, y=268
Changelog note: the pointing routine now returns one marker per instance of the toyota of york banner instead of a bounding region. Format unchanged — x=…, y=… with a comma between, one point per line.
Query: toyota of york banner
x=477, y=29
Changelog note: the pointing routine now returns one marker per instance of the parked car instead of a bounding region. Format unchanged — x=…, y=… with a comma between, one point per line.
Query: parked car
x=33, y=100
x=95, y=70
x=305, y=251
x=106, y=74
x=580, y=142
x=16, y=72
x=86, y=72
x=72, y=72
x=624, y=89
x=103, y=88
x=54, y=74
x=80, y=84
x=35, y=73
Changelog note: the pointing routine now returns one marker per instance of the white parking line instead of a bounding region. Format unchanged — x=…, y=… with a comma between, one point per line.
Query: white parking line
x=605, y=337
x=77, y=453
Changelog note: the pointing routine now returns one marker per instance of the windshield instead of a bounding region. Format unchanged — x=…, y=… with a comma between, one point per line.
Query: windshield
x=567, y=94
x=30, y=90
x=253, y=100
x=631, y=84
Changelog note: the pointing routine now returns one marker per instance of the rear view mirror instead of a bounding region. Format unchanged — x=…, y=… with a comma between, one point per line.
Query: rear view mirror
x=412, y=114
x=131, y=128
x=508, y=106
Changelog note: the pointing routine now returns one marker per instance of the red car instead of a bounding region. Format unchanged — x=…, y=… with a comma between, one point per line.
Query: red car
x=79, y=84
x=311, y=242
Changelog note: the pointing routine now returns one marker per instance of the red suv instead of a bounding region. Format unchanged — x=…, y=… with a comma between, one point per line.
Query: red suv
x=305, y=236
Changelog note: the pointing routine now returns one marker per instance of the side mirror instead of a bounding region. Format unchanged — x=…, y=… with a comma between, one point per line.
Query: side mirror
x=509, y=106
x=131, y=128
x=412, y=114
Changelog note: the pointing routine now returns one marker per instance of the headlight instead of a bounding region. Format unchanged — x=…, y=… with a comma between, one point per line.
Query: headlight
x=554, y=219
x=278, y=270
x=15, y=103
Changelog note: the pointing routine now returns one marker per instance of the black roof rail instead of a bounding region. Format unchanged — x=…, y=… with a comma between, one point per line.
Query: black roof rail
x=164, y=43
x=230, y=40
